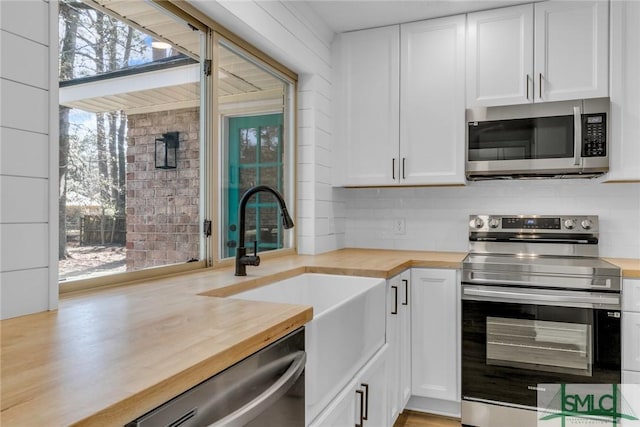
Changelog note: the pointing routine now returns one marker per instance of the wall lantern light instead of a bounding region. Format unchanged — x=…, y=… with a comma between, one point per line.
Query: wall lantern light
x=167, y=151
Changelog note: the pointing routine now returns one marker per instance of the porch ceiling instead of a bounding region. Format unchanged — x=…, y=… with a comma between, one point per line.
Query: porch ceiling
x=240, y=81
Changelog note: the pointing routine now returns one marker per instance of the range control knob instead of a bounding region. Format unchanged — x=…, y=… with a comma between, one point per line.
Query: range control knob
x=477, y=223
x=586, y=224
x=569, y=224
x=494, y=222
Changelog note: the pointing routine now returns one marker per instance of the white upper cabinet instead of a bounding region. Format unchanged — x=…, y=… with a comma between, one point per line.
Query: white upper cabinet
x=383, y=141
x=624, y=121
x=547, y=51
x=367, y=67
x=500, y=56
x=571, y=50
x=432, y=101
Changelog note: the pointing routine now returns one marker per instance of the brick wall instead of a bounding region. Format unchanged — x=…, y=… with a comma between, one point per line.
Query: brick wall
x=162, y=204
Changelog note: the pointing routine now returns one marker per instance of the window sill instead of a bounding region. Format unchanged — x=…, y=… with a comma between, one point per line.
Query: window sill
x=127, y=278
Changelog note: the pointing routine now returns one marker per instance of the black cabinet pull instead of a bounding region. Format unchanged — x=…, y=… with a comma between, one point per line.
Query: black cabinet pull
x=366, y=401
x=361, y=393
x=406, y=292
x=540, y=85
x=403, y=168
x=395, y=304
x=393, y=168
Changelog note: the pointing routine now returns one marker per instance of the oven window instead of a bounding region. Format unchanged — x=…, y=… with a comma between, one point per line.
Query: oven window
x=539, y=345
x=520, y=139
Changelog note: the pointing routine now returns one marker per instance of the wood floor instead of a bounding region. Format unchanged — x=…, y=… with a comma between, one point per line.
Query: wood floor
x=417, y=419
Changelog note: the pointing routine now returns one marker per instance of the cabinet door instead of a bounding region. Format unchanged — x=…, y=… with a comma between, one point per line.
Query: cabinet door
x=404, y=361
x=434, y=334
x=500, y=56
x=367, y=103
x=572, y=50
x=341, y=411
x=631, y=341
x=624, y=121
x=394, y=289
x=399, y=343
x=432, y=100
x=373, y=384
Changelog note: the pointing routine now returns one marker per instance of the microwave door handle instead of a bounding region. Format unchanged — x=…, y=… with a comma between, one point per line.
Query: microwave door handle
x=577, y=135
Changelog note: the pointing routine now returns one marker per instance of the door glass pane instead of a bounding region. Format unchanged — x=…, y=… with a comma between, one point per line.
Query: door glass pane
x=248, y=144
x=247, y=179
x=269, y=144
x=269, y=176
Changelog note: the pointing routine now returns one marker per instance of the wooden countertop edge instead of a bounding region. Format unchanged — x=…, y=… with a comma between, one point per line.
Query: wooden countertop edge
x=146, y=400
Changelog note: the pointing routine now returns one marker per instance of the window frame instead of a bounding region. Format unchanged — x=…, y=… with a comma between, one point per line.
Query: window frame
x=289, y=155
x=210, y=154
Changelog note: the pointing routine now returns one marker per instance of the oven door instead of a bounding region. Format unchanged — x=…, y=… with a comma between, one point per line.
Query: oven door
x=516, y=338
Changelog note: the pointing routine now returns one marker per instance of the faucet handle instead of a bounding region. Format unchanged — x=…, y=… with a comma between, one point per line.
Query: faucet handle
x=255, y=248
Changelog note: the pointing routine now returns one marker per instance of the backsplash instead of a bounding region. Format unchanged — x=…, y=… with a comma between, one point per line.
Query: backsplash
x=435, y=218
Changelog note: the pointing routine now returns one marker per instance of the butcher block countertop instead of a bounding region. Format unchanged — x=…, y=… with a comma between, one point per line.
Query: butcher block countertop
x=108, y=356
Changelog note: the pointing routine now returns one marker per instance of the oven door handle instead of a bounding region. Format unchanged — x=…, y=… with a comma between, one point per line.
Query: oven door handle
x=557, y=298
x=596, y=282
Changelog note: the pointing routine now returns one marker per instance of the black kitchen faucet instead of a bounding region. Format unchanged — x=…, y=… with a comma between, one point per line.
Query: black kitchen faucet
x=242, y=259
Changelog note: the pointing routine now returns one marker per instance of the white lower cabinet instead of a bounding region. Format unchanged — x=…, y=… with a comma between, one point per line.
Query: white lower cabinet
x=435, y=340
x=399, y=340
x=363, y=402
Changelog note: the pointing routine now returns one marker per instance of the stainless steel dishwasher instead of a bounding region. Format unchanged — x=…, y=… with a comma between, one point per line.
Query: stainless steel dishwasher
x=265, y=389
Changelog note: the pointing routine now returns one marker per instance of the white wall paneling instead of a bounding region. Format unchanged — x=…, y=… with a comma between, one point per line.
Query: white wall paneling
x=24, y=200
x=24, y=246
x=24, y=153
x=28, y=171
x=32, y=66
x=15, y=284
x=24, y=107
x=28, y=19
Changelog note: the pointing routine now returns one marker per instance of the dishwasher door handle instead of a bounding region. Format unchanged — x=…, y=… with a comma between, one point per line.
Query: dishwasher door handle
x=248, y=412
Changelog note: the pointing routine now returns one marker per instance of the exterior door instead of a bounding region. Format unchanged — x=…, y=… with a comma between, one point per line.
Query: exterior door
x=255, y=158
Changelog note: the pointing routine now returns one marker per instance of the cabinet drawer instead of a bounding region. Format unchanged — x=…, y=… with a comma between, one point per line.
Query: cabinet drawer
x=631, y=295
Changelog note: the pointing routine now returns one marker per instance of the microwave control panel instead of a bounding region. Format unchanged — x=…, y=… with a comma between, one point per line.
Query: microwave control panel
x=594, y=135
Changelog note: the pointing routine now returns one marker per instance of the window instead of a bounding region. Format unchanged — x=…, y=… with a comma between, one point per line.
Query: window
x=131, y=91
x=254, y=106
x=124, y=91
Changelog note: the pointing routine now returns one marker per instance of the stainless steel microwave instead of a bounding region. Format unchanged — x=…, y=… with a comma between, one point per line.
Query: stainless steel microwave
x=567, y=139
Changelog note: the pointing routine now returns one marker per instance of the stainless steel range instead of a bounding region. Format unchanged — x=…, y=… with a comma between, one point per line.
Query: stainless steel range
x=539, y=307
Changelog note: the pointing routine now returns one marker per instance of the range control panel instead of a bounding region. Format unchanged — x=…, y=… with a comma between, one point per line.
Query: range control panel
x=534, y=223
x=594, y=135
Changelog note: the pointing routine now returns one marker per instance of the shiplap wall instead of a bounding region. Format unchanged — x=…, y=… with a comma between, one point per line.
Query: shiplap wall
x=436, y=217
x=291, y=33
x=27, y=283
